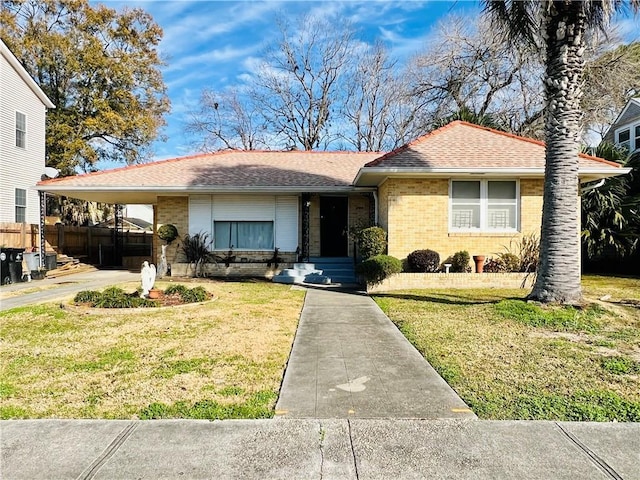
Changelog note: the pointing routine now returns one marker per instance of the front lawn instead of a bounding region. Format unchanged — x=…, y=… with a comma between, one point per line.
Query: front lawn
x=221, y=359
x=512, y=360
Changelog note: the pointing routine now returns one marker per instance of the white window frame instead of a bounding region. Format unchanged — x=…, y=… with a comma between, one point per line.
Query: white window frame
x=217, y=248
x=484, y=206
x=633, y=143
x=23, y=206
x=21, y=131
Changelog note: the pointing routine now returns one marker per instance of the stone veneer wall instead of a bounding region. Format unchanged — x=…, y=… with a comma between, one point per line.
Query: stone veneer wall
x=410, y=281
x=415, y=213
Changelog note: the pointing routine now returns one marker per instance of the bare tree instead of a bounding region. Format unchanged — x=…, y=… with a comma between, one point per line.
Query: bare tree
x=298, y=86
x=227, y=120
x=468, y=68
x=612, y=77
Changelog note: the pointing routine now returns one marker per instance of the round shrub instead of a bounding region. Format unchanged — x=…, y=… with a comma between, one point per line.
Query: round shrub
x=377, y=268
x=168, y=233
x=371, y=241
x=423, y=261
x=459, y=262
x=87, y=296
x=188, y=295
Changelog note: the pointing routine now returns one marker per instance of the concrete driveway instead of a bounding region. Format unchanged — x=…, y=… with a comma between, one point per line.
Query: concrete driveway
x=60, y=288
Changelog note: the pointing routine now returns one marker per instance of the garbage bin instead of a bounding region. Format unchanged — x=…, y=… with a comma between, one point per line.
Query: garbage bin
x=51, y=261
x=4, y=266
x=33, y=261
x=15, y=264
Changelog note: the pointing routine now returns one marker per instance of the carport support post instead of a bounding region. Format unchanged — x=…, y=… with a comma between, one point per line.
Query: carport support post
x=43, y=214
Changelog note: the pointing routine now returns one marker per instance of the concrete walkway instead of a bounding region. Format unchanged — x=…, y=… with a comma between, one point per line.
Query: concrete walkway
x=60, y=288
x=350, y=361
x=325, y=449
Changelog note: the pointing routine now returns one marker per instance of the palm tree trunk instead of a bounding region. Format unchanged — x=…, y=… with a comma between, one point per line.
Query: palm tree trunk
x=558, y=278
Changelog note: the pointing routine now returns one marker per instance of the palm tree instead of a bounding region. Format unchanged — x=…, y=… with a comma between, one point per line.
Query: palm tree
x=560, y=29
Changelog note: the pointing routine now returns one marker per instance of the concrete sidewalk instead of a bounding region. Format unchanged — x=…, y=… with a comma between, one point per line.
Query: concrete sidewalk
x=61, y=288
x=350, y=361
x=327, y=449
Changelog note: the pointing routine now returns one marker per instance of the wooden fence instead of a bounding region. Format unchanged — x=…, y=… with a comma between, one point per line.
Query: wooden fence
x=90, y=244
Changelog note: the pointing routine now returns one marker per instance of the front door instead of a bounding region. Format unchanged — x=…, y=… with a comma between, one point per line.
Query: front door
x=334, y=213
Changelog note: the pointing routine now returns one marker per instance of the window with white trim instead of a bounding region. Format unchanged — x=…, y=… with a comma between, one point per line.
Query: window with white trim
x=483, y=205
x=21, y=205
x=624, y=139
x=637, y=138
x=21, y=130
x=243, y=235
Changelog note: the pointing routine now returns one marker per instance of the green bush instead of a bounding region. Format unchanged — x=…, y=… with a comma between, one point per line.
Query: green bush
x=423, y=261
x=459, y=262
x=377, y=268
x=493, y=266
x=168, y=233
x=371, y=241
x=188, y=295
x=87, y=296
x=510, y=262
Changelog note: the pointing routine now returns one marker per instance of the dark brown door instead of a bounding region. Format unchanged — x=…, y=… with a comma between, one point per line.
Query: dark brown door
x=333, y=226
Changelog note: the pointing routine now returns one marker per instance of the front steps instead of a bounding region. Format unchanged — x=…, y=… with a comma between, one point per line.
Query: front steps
x=320, y=271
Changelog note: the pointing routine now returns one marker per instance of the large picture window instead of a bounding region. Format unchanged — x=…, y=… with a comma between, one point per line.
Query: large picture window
x=243, y=235
x=484, y=205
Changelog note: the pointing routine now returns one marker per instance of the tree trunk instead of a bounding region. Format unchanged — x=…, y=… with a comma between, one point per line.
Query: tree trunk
x=558, y=277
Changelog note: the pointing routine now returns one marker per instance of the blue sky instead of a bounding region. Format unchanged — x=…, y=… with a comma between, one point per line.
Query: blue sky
x=212, y=44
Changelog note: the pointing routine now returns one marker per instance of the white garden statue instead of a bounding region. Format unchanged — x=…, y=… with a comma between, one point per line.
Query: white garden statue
x=148, y=276
x=162, y=267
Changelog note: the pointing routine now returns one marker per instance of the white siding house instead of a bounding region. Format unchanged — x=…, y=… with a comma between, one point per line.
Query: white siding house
x=23, y=108
x=625, y=131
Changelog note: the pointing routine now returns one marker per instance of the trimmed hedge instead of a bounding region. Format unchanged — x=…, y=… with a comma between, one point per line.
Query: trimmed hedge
x=377, y=268
x=423, y=261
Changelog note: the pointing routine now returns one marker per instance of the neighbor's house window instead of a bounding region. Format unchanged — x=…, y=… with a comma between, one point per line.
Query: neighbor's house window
x=490, y=205
x=21, y=205
x=21, y=130
x=624, y=139
x=243, y=235
x=637, y=139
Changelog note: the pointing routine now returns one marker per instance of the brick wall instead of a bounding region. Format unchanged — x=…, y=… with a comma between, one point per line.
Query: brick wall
x=415, y=214
x=358, y=214
x=233, y=270
x=173, y=210
x=411, y=281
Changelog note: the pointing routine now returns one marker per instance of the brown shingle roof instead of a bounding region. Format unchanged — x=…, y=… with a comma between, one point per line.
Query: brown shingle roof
x=232, y=169
x=465, y=145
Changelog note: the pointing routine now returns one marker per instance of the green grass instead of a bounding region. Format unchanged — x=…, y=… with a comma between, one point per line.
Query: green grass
x=509, y=359
x=219, y=359
x=259, y=405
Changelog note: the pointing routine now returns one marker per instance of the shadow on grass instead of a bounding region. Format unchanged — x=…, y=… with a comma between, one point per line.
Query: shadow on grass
x=447, y=299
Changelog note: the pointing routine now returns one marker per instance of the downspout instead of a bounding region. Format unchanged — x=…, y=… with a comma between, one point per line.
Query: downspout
x=375, y=207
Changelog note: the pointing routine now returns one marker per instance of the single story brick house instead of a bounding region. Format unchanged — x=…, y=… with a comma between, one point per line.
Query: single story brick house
x=460, y=187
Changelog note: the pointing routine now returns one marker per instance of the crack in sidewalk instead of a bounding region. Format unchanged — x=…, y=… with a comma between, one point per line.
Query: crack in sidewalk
x=353, y=451
x=108, y=452
x=595, y=459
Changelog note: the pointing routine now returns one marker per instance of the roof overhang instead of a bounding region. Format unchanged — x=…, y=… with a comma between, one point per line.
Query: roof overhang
x=373, y=177
x=149, y=195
